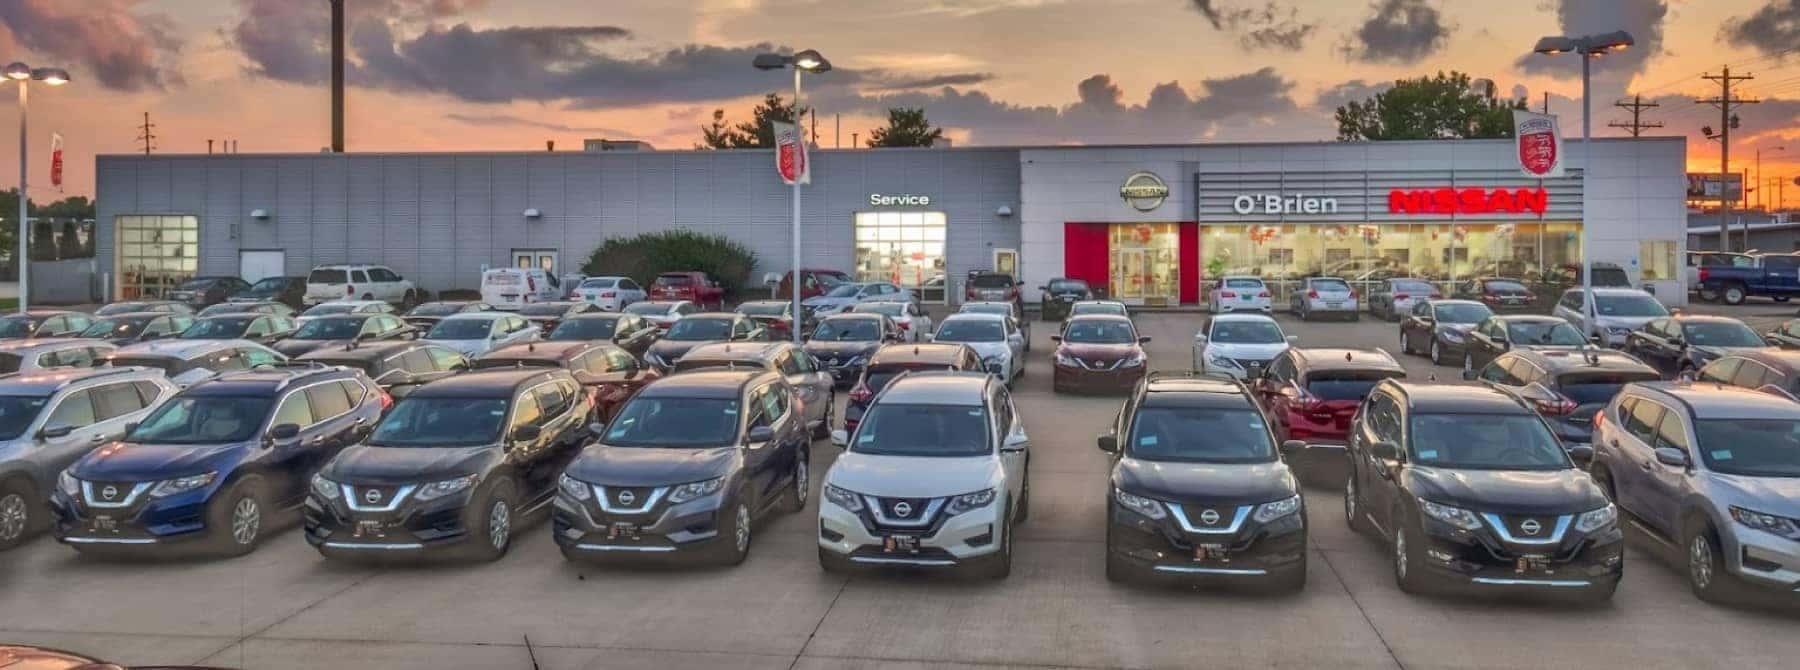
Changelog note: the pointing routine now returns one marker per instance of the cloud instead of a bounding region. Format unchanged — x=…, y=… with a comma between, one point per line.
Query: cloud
x=1212, y=13
x=1642, y=18
x=1271, y=26
x=126, y=50
x=1355, y=90
x=1774, y=29
x=898, y=83
x=489, y=120
x=1398, y=31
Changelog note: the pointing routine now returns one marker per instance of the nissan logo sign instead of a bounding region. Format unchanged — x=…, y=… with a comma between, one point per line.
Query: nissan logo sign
x=627, y=497
x=1531, y=526
x=372, y=496
x=903, y=509
x=1144, y=191
x=109, y=492
x=1209, y=517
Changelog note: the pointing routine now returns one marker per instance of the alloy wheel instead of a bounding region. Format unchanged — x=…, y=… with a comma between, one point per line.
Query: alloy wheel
x=801, y=484
x=1400, y=553
x=13, y=517
x=246, y=521
x=1350, y=494
x=1436, y=353
x=499, y=525
x=741, y=529
x=1700, y=562
x=1468, y=361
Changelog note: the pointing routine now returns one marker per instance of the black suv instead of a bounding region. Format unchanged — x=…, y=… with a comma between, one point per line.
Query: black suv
x=631, y=332
x=687, y=466
x=429, y=314
x=1761, y=370
x=697, y=329
x=290, y=291
x=1056, y=297
x=1499, y=334
x=1198, y=488
x=1565, y=387
x=399, y=368
x=135, y=327
x=341, y=329
x=843, y=343
x=547, y=315
x=258, y=328
x=1681, y=345
x=461, y=463
x=891, y=360
x=1468, y=486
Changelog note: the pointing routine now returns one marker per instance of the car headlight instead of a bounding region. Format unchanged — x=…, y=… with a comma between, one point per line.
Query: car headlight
x=1455, y=516
x=696, y=490
x=1768, y=523
x=1134, y=361
x=1594, y=520
x=1450, y=335
x=969, y=502
x=68, y=484
x=325, y=488
x=436, y=490
x=1618, y=331
x=1065, y=359
x=180, y=485
x=1218, y=361
x=1140, y=504
x=843, y=498
x=575, y=488
x=1271, y=511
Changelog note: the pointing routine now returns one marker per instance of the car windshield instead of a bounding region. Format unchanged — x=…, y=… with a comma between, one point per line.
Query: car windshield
x=892, y=309
x=601, y=282
x=1354, y=385
x=229, y=308
x=971, y=330
x=328, y=277
x=1330, y=285
x=1485, y=442
x=848, y=330
x=1096, y=331
x=225, y=328
x=1462, y=313
x=674, y=280
x=18, y=326
x=896, y=429
x=194, y=284
x=648, y=308
x=441, y=422
x=329, y=309
x=675, y=423
x=1256, y=331
x=1721, y=334
x=1200, y=435
x=114, y=328
x=1544, y=333
x=763, y=308
x=269, y=285
x=699, y=330
x=1505, y=286
x=544, y=309
x=460, y=329
x=1068, y=286
x=830, y=279
x=1750, y=447
x=1112, y=308
x=329, y=329
x=1589, y=388
x=1629, y=306
x=122, y=308
x=18, y=411
x=844, y=291
x=205, y=419
x=991, y=281
x=434, y=309
x=593, y=328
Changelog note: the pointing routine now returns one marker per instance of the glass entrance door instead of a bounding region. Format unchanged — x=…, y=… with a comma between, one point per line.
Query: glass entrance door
x=1130, y=275
x=1145, y=267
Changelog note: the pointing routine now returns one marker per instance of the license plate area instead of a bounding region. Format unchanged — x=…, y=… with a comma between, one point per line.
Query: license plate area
x=621, y=530
x=1532, y=563
x=1210, y=552
x=104, y=524
x=370, y=528
x=901, y=544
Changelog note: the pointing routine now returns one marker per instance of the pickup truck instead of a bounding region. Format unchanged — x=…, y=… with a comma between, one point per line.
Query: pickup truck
x=695, y=287
x=1773, y=275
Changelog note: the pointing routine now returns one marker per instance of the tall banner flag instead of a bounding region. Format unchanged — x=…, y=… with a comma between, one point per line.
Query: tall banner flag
x=1539, y=143
x=56, y=163
x=790, y=154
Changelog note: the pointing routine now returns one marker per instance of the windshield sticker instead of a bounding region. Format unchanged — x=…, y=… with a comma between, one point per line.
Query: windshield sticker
x=1722, y=455
x=865, y=439
x=1147, y=441
x=731, y=411
x=1428, y=453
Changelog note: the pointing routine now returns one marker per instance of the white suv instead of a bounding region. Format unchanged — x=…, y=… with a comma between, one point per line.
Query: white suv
x=359, y=282
x=936, y=476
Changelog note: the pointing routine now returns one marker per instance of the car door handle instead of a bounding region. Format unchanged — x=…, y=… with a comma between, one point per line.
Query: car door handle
x=97, y=439
x=317, y=440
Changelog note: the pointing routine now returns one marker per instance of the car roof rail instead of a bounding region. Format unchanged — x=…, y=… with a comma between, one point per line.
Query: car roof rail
x=103, y=372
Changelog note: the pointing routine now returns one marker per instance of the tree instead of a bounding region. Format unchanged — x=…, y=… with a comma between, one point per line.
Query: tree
x=645, y=256
x=753, y=134
x=907, y=127
x=1445, y=106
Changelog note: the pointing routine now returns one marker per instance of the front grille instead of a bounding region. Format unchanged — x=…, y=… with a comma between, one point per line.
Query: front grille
x=907, y=513
x=374, y=496
x=1099, y=365
x=923, y=554
x=629, y=497
x=109, y=494
x=1250, y=363
x=1529, y=527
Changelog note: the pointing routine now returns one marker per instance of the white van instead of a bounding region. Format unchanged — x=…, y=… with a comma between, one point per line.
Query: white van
x=512, y=288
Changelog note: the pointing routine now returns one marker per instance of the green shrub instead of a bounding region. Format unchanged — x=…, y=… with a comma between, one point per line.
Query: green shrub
x=645, y=256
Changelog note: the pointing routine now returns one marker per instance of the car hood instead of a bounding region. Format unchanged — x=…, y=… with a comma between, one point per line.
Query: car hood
x=1246, y=351
x=292, y=347
x=1206, y=483
x=469, y=348
x=131, y=462
x=1458, y=328
x=1769, y=495
x=831, y=350
x=1566, y=491
x=636, y=466
x=1626, y=322
x=672, y=350
x=1097, y=352
x=914, y=477
x=381, y=466
x=1547, y=347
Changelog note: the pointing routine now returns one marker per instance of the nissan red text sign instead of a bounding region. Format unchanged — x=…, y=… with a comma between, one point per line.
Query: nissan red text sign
x=1539, y=144
x=790, y=154
x=1451, y=201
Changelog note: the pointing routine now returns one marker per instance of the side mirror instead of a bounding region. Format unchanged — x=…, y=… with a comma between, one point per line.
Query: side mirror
x=840, y=438
x=760, y=435
x=1108, y=443
x=1598, y=339
x=1672, y=457
x=1678, y=342
x=1386, y=451
x=1055, y=338
x=130, y=427
x=286, y=431
x=527, y=433
x=1291, y=449
x=1015, y=442
x=1582, y=454
x=59, y=431
x=1293, y=339
x=596, y=427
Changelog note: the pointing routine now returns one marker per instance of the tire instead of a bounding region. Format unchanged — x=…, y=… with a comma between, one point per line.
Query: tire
x=1734, y=294
x=794, y=499
x=1437, y=352
x=238, y=517
x=1291, y=581
x=368, y=296
x=734, y=533
x=1781, y=298
x=1405, y=558
x=1708, y=295
x=1405, y=344
x=1468, y=361
x=495, y=518
x=824, y=429
x=999, y=565
x=409, y=301
x=1706, y=573
x=1603, y=478
x=22, y=512
x=832, y=563
x=1024, y=512
x=1353, y=506
x=1117, y=568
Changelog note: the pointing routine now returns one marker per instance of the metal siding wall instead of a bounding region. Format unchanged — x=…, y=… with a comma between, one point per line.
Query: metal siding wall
x=544, y=189
x=223, y=221
x=399, y=232
x=474, y=229
x=437, y=224
x=294, y=212
x=506, y=220
x=331, y=209
x=117, y=179
x=259, y=178
x=365, y=216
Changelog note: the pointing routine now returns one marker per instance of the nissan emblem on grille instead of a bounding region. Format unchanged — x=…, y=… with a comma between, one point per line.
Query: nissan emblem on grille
x=903, y=509
x=109, y=492
x=1531, y=526
x=626, y=498
x=1209, y=517
x=372, y=495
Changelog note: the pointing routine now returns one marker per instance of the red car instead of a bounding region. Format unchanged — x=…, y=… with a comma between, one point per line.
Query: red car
x=694, y=287
x=1311, y=394
x=812, y=283
x=611, y=374
x=1098, y=353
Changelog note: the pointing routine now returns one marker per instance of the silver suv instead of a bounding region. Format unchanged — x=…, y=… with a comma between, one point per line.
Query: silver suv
x=48, y=419
x=1714, y=470
x=936, y=476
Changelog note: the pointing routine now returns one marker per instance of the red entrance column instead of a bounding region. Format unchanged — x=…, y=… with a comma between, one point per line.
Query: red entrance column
x=1190, y=262
x=1087, y=253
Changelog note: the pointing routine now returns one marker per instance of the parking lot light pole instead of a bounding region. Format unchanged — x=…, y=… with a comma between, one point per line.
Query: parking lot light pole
x=1588, y=47
x=25, y=74
x=802, y=62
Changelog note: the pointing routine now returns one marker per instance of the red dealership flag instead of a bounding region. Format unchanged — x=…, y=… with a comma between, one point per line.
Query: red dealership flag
x=1539, y=143
x=56, y=149
x=790, y=154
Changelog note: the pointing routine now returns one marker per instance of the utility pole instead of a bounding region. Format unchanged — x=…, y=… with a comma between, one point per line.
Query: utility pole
x=1546, y=102
x=147, y=134
x=1637, y=106
x=209, y=144
x=1727, y=121
x=337, y=76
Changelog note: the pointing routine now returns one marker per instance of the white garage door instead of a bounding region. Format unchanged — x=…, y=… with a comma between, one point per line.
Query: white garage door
x=256, y=265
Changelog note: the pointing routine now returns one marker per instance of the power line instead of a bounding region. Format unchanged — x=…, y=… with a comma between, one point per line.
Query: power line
x=1637, y=125
x=1726, y=102
x=147, y=134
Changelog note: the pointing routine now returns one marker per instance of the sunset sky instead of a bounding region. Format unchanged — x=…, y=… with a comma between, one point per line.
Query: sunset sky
x=445, y=75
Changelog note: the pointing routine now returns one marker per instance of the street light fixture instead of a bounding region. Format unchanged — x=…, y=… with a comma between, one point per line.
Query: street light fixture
x=1588, y=47
x=801, y=62
x=25, y=74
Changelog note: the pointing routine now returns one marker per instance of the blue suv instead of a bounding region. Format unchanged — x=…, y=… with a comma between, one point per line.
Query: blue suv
x=212, y=466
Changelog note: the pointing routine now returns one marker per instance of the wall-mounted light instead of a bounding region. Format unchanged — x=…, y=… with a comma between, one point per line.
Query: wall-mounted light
x=533, y=213
x=1004, y=212
x=259, y=214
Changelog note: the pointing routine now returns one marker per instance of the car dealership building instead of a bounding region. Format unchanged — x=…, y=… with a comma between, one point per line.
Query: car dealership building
x=1149, y=223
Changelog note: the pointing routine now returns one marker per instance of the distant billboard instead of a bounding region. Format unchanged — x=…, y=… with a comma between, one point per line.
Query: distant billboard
x=1705, y=186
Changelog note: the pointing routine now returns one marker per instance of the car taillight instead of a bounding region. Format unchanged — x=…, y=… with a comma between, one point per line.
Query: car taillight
x=1704, y=273
x=387, y=401
x=861, y=393
x=349, y=289
x=905, y=325
x=1012, y=293
x=1599, y=419
x=1313, y=294
x=1402, y=296
x=1227, y=294
x=1557, y=406
x=1352, y=294
x=1489, y=297
x=970, y=294
x=1263, y=294
x=610, y=294
x=1436, y=296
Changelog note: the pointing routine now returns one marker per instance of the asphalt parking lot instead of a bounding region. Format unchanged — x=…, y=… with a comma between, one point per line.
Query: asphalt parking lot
x=284, y=607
